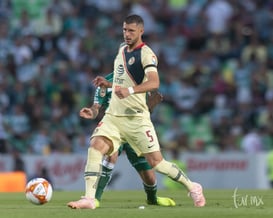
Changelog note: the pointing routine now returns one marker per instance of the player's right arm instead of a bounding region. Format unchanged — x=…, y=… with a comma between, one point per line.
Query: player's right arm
x=101, y=81
x=101, y=98
x=90, y=112
x=93, y=111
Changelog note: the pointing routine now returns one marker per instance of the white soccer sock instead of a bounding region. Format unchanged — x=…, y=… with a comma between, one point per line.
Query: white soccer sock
x=92, y=172
x=108, y=164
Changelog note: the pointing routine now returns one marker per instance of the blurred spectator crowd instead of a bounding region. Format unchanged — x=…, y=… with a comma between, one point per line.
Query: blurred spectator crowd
x=215, y=64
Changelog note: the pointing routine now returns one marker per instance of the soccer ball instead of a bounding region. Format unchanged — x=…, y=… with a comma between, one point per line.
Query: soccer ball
x=38, y=191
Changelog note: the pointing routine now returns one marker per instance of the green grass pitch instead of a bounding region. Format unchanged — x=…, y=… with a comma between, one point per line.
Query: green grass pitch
x=117, y=204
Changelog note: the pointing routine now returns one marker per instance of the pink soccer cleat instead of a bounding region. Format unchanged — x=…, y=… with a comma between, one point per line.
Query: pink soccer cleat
x=83, y=203
x=196, y=193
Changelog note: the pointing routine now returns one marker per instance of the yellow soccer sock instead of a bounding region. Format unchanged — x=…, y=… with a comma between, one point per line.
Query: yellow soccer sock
x=171, y=170
x=92, y=172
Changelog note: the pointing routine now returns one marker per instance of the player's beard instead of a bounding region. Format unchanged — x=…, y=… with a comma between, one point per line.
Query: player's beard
x=130, y=42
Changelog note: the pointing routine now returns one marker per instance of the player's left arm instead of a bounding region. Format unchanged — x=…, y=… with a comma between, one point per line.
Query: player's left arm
x=152, y=83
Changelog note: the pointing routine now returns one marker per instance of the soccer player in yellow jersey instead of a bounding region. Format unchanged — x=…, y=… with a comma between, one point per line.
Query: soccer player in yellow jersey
x=147, y=174
x=127, y=118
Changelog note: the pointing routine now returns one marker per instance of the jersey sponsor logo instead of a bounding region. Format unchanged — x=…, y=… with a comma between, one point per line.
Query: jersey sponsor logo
x=120, y=70
x=131, y=60
x=119, y=81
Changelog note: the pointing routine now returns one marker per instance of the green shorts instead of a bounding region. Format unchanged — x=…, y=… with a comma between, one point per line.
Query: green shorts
x=139, y=163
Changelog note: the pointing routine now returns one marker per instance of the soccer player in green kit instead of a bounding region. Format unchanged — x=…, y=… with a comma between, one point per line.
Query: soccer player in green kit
x=127, y=118
x=101, y=99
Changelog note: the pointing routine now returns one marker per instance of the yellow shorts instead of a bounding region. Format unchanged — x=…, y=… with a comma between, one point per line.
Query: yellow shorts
x=139, y=132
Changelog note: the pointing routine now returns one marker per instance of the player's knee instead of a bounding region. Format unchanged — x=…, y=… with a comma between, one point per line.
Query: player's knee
x=157, y=166
x=163, y=167
x=154, y=158
x=101, y=144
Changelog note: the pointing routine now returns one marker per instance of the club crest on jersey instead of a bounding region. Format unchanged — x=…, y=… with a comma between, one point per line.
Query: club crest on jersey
x=131, y=60
x=102, y=91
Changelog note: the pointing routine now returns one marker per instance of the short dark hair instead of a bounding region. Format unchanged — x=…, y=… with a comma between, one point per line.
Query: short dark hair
x=134, y=18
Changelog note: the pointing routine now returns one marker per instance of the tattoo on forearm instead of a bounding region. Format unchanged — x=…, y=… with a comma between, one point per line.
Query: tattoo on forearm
x=95, y=112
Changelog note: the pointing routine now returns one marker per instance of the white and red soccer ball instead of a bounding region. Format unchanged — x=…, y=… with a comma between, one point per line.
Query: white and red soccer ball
x=38, y=191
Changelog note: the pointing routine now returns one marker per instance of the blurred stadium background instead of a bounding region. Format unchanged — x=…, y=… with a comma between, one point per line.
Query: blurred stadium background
x=215, y=63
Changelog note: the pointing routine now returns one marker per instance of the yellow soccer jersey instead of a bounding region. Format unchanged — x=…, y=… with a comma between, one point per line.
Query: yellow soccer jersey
x=130, y=69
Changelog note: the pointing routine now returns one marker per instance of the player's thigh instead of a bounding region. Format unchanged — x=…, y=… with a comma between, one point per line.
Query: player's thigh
x=141, y=136
x=108, y=128
x=102, y=144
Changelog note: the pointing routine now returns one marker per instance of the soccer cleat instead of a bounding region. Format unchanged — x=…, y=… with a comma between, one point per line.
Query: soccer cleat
x=161, y=201
x=83, y=203
x=97, y=203
x=196, y=193
x=167, y=202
